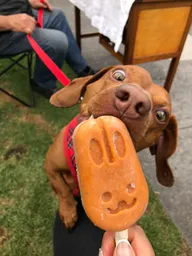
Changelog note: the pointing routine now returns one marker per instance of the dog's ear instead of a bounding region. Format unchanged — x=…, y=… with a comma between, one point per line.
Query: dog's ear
x=70, y=95
x=164, y=149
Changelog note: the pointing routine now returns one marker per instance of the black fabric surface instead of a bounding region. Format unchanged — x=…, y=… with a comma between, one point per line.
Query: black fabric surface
x=85, y=239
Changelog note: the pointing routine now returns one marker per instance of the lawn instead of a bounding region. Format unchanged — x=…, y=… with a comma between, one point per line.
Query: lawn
x=27, y=203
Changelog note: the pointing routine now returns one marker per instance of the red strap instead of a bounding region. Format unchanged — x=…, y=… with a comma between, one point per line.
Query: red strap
x=40, y=17
x=57, y=72
x=63, y=79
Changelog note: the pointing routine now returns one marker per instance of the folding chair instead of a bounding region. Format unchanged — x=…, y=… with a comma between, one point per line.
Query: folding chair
x=15, y=60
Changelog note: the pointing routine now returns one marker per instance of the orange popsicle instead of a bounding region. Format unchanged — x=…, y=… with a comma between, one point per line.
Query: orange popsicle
x=113, y=188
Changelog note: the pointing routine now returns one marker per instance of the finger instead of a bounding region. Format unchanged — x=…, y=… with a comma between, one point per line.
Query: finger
x=139, y=241
x=32, y=19
x=48, y=5
x=41, y=5
x=26, y=18
x=29, y=29
x=108, y=244
x=124, y=249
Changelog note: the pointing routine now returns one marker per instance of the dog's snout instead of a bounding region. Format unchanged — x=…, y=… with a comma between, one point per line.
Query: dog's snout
x=122, y=94
x=132, y=101
x=143, y=108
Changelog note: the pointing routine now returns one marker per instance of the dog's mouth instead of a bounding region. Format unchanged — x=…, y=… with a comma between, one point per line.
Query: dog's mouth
x=84, y=118
x=135, y=134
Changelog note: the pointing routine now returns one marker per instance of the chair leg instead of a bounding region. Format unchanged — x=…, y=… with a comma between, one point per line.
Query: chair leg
x=78, y=26
x=171, y=73
x=29, y=60
x=13, y=64
x=18, y=63
x=16, y=98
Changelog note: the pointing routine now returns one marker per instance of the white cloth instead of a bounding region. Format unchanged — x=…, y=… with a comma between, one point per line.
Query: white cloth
x=108, y=16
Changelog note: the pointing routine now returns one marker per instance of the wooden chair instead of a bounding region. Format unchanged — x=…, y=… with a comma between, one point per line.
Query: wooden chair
x=155, y=30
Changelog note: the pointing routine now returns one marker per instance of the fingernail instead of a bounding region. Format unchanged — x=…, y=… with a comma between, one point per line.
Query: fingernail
x=100, y=252
x=123, y=249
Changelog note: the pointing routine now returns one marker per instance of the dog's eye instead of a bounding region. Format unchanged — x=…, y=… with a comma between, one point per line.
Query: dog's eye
x=119, y=75
x=161, y=115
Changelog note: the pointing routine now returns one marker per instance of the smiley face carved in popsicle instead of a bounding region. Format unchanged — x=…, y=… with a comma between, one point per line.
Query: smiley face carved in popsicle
x=113, y=188
x=100, y=155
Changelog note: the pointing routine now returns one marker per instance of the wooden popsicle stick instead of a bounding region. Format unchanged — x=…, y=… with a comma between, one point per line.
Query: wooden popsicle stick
x=121, y=236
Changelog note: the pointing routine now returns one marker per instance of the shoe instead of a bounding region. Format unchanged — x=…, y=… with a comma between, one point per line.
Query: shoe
x=47, y=93
x=88, y=71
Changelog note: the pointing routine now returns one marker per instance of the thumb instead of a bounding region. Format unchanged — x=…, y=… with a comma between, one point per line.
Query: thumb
x=42, y=5
x=124, y=249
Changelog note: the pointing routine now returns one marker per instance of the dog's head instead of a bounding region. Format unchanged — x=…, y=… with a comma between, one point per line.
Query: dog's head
x=128, y=92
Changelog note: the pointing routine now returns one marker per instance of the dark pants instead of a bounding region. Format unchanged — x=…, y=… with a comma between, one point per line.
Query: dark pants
x=84, y=240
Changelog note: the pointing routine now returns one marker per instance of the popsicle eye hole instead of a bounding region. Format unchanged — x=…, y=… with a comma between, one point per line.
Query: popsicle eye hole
x=119, y=144
x=96, y=151
x=106, y=197
x=131, y=187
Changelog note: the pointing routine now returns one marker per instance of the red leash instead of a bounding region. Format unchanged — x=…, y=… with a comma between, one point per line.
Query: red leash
x=57, y=72
x=40, y=16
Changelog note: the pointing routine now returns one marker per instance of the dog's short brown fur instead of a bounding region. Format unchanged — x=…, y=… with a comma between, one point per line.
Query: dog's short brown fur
x=128, y=93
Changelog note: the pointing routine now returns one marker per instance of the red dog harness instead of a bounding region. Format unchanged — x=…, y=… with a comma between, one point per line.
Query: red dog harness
x=69, y=151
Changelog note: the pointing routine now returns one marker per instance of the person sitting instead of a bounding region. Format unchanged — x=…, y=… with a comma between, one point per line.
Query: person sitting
x=18, y=18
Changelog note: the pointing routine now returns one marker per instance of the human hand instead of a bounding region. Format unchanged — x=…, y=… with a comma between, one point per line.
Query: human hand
x=21, y=23
x=36, y=4
x=139, y=244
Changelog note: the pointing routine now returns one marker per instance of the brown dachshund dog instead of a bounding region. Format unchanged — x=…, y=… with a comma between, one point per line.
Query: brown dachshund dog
x=126, y=92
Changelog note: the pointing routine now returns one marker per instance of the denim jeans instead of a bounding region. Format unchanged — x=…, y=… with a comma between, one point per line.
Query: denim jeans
x=56, y=39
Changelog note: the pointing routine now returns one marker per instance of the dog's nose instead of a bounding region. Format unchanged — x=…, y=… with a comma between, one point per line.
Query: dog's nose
x=132, y=101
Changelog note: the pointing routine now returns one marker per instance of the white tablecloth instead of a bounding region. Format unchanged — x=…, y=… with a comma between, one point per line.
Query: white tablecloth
x=108, y=16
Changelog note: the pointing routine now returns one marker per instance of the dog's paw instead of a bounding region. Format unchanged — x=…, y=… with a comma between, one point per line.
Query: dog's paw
x=68, y=214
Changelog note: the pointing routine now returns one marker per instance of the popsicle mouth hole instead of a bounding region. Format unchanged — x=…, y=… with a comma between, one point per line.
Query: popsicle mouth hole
x=106, y=197
x=131, y=187
x=122, y=205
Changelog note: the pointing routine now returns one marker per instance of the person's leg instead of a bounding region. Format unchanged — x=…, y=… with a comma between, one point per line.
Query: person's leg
x=85, y=239
x=56, y=20
x=53, y=42
x=14, y=43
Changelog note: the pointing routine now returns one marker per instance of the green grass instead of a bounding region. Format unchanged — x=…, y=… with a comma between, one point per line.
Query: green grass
x=27, y=202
